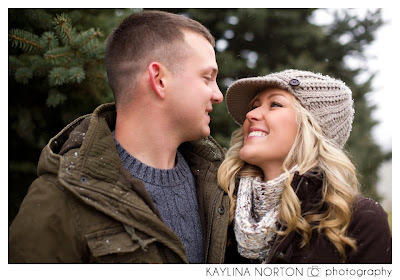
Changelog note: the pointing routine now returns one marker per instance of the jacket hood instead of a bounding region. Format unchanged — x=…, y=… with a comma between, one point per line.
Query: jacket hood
x=71, y=152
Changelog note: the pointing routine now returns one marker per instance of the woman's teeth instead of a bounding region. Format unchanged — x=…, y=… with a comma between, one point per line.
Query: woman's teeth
x=257, y=134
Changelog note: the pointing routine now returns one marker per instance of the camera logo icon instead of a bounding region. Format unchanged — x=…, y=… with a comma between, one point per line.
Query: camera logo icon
x=314, y=271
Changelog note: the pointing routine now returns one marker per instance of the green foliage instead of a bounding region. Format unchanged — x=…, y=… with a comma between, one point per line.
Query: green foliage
x=55, y=98
x=57, y=73
x=65, y=52
x=28, y=42
x=23, y=74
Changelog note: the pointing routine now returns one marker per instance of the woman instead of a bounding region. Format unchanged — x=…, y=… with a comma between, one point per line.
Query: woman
x=293, y=190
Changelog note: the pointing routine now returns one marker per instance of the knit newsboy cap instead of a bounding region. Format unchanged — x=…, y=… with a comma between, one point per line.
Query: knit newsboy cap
x=327, y=99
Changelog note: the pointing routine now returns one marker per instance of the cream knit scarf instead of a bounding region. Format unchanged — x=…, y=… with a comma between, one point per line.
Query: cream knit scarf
x=256, y=215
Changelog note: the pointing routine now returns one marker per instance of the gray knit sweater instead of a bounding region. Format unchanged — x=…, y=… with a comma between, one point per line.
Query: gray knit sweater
x=173, y=192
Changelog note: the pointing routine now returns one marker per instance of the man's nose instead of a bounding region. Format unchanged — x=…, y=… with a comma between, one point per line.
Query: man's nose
x=217, y=95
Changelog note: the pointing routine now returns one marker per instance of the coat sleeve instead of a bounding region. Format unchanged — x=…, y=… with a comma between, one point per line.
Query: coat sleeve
x=370, y=228
x=44, y=230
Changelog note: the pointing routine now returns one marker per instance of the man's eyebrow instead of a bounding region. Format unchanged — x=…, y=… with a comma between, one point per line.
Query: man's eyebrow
x=214, y=70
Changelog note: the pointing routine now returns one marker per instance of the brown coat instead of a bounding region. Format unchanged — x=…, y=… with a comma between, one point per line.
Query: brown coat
x=368, y=226
x=85, y=207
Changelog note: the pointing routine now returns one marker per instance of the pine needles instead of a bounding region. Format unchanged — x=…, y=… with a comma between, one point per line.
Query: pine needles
x=61, y=54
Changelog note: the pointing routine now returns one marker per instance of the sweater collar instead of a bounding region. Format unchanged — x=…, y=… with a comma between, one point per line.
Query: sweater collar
x=151, y=175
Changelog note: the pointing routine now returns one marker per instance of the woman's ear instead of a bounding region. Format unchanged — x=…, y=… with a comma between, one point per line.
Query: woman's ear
x=157, y=77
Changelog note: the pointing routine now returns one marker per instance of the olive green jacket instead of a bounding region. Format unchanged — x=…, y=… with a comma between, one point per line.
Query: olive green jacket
x=85, y=207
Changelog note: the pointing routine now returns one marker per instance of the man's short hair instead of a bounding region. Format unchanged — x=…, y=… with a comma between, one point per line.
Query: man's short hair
x=142, y=38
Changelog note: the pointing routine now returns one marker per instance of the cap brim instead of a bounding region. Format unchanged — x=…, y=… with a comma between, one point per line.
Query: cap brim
x=241, y=92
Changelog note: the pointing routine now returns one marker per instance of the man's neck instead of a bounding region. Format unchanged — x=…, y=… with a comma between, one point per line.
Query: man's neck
x=149, y=142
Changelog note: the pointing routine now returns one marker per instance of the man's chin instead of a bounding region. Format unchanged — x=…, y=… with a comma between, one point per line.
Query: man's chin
x=207, y=132
x=203, y=134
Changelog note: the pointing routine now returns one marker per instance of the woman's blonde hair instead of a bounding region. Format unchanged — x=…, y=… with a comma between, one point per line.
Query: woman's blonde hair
x=311, y=151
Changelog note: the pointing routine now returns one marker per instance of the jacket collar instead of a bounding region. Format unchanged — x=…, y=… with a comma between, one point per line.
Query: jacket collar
x=308, y=188
x=86, y=149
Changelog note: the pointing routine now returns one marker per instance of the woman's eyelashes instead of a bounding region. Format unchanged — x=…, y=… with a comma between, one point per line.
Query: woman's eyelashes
x=276, y=104
x=272, y=104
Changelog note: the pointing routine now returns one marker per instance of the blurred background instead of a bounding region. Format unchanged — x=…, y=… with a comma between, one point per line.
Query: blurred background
x=56, y=74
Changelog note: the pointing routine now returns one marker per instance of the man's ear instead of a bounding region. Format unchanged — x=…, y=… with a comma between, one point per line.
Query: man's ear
x=157, y=75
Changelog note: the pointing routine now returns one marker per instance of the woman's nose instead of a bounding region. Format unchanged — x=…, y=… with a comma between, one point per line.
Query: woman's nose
x=254, y=115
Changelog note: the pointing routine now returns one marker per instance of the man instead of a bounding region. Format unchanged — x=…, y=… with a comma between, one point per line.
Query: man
x=136, y=181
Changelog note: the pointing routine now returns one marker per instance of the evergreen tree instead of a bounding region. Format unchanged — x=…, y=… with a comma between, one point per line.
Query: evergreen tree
x=56, y=72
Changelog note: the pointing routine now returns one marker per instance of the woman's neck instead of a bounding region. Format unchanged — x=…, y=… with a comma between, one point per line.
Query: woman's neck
x=272, y=171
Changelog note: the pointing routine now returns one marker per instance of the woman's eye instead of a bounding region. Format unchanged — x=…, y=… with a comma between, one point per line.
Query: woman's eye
x=275, y=104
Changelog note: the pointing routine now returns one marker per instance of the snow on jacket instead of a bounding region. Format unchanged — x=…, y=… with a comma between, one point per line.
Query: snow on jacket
x=85, y=207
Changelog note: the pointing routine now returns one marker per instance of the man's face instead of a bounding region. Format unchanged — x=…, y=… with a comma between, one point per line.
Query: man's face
x=193, y=88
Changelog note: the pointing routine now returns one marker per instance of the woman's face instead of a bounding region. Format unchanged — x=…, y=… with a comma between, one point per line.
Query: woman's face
x=270, y=129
